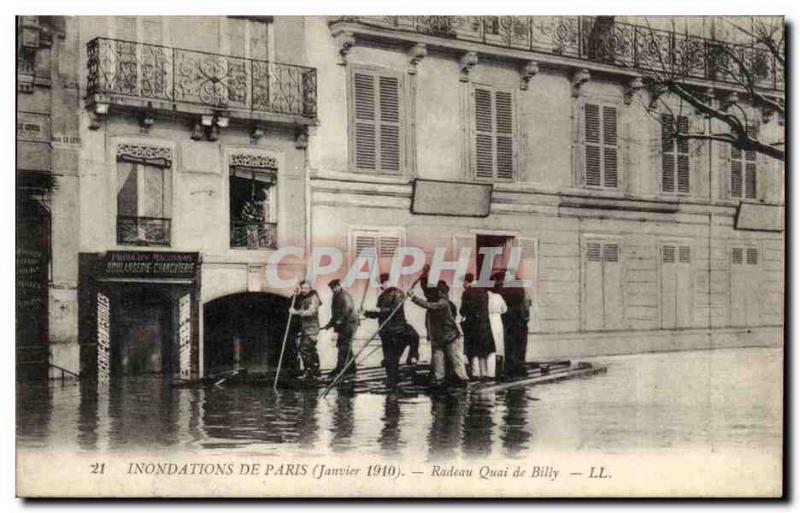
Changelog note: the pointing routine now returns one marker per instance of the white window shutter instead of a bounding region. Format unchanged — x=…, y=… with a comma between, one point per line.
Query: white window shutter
x=504, y=124
x=610, y=157
x=682, y=146
x=593, y=165
x=365, y=129
x=484, y=133
x=389, y=108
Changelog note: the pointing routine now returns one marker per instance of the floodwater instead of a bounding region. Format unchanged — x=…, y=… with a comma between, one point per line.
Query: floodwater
x=717, y=399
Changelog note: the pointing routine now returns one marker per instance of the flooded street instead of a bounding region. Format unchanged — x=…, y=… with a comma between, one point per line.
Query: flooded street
x=709, y=399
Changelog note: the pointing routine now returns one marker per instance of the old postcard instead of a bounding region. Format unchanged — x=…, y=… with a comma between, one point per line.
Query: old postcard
x=400, y=256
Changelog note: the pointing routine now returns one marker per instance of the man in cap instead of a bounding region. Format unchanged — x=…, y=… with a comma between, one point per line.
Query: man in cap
x=396, y=333
x=344, y=321
x=442, y=332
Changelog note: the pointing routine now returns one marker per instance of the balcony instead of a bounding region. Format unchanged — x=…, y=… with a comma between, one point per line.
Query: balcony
x=586, y=39
x=143, y=231
x=131, y=74
x=254, y=235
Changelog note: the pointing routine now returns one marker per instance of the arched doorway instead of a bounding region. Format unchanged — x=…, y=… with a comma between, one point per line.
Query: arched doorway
x=244, y=331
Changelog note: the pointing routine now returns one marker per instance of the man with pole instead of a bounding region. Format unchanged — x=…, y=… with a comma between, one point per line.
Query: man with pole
x=344, y=321
x=396, y=333
x=307, y=310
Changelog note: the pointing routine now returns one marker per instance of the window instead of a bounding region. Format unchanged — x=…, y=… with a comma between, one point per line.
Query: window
x=675, y=174
x=376, y=120
x=493, y=125
x=601, y=160
x=144, y=193
x=602, y=286
x=745, y=286
x=676, y=286
x=253, y=206
x=743, y=169
x=371, y=243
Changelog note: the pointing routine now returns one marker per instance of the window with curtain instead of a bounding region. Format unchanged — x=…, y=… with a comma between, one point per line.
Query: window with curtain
x=253, y=209
x=144, y=193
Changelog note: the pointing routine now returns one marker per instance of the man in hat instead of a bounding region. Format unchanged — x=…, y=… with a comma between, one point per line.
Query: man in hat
x=308, y=303
x=344, y=321
x=515, y=325
x=396, y=333
x=442, y=332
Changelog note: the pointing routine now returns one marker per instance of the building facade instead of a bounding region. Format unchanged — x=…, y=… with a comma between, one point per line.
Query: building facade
x=185, y=151
x=536, y=132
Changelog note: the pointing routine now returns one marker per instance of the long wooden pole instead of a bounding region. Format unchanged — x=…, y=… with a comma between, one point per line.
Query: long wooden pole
x=350, y=361
x=283, y=344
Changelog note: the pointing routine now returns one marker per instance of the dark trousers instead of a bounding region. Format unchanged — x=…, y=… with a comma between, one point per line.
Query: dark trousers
x=392, y=346
x=344, y=352
x=516, y=339
x=308, y=353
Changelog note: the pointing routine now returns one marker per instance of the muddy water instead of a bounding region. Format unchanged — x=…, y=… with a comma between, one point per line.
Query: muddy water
x=717, y=399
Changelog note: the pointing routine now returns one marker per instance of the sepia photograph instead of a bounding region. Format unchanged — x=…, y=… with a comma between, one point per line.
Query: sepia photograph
x=375, y=256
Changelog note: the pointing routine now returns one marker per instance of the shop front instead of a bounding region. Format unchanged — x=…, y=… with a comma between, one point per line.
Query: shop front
x=140, y=314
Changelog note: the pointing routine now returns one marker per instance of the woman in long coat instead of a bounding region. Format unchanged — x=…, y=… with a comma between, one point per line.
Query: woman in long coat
x=497, y=307
x=478, y=338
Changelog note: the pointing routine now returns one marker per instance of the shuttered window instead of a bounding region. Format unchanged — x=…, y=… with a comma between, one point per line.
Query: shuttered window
x=743, y=169
x=674, y=155
x=746, y=282
x=494, y=133
x=377, y=122
x=675, y=297
x=370, y=243
x=602, y=286
x=601, y=159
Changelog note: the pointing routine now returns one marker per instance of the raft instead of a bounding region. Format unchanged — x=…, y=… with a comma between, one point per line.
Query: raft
x=414, y=380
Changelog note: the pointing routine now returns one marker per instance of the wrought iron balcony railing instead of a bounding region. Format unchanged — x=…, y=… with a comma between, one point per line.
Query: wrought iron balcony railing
x=588, y=39
x=143, y=231
x=254, y=235
x=131, y=69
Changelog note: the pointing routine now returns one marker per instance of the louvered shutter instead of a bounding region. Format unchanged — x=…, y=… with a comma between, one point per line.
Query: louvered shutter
x=593, y=166
x=682, y=147
x=750, y=166
x=668, y=254
x=610, y=160
x=365, y=245
x=388, y=245
x=684, y=254
x=601, y=164
x=378, y=137
x=389, y=124
x=484, y=131
x=667, y=153
x=752, y=256
x=494, y=134
x=504, y=136
x=737, y=256
x=365, y=126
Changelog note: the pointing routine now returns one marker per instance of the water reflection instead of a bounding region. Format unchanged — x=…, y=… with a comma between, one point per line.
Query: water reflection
x=707, y=405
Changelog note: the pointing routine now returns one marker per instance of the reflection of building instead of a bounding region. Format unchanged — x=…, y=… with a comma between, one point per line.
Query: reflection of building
x=532, y=131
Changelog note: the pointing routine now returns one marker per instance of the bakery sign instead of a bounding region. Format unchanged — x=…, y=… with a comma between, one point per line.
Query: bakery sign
x=149, y=264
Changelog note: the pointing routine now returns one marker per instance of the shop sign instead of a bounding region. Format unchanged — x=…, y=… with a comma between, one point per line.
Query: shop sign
x=185, y=336
x=149, y=264
x=103, y=337
x=440, y=198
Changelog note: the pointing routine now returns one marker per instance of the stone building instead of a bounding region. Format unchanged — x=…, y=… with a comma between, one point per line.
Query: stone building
x=187, y=150
x=536, y=132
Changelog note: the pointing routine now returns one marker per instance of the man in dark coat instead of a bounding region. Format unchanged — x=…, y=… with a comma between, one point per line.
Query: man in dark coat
x=515, y=327
x=478, y=340
x=443, y=333
x=396, y=333
x=344, y=321
x=306, y=309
